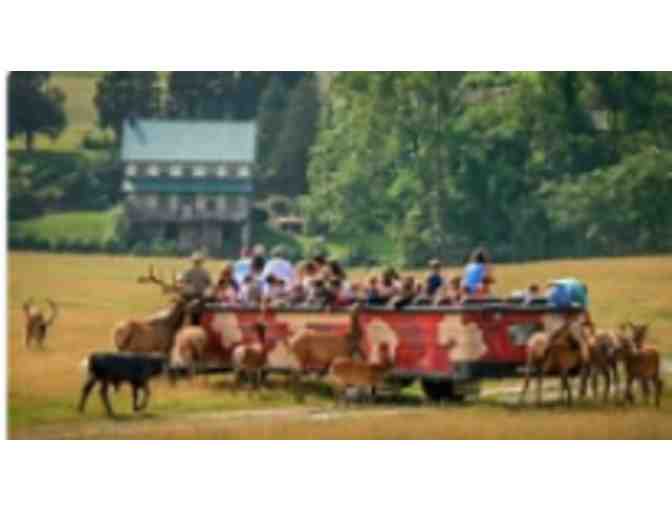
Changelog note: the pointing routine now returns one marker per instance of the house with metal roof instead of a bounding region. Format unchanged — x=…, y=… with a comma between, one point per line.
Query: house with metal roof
x=189, y=182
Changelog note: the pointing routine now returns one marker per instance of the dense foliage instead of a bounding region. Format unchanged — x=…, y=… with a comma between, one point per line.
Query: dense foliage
x=124, y=94
x=34, y=106
x=529, y=164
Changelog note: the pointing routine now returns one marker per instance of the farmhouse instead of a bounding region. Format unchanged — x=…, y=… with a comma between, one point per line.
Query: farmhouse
x=189, y=182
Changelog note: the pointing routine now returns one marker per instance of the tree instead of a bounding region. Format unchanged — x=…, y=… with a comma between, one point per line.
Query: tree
x=272, y=106
x=202, y=94
x=34, y=106
x=122, y=94
x=289, y=158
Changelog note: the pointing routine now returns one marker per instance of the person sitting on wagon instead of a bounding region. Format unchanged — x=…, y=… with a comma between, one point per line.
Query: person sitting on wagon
x=434, y=280
x=250, y=291
x=371, y=292
x=450, y=293
x=406, y=295
x=533, y=292
x=196, y=280
x=478, y=275
x=388, y=286
x=279, y=266
x=226, y=289
x=567, y=292
x=242, y=266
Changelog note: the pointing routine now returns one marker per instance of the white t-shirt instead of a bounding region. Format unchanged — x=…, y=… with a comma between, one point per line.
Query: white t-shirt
x=280, y=268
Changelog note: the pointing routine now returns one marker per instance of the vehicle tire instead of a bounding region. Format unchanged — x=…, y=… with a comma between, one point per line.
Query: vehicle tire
x=438, y=390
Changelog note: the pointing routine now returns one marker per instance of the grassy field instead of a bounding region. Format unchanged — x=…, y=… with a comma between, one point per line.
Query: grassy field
x=95, y=292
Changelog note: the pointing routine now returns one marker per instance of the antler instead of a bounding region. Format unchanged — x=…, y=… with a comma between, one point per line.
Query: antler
x=54, y=312
x=152, y=278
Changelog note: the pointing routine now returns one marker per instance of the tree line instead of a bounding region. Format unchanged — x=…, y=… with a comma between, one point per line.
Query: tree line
x=530, y=164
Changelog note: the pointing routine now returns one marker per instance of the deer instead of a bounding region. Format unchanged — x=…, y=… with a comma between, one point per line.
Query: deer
x=37, y=325
x=642, y=362
x=156, y=333
x=553, y=352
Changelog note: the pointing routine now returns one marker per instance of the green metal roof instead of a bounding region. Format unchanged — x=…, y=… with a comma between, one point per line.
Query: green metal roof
x=172, y=185
x=183, y=140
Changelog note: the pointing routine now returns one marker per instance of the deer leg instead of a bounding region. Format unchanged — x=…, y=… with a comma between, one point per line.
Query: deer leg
x=628, y=390
x=86, y=389
x=593, y=383
x=617, y=382
x=135, y=397
x=526, y=383
x=145, y=395
x=566, y=387
x=540, y=382
x=607, y=384
x=659, y=389
x=106, y=399
x=29, y=337
x=644, y=382
x=583, y=388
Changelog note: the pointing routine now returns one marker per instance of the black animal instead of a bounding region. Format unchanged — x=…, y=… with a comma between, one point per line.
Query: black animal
x=116, y=368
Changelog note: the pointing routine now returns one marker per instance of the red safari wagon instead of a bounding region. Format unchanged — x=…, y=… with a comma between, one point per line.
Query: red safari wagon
x=446, y=348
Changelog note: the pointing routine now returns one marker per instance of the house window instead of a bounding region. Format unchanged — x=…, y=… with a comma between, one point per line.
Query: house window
x=131, y=170
x=221, y=203
x=200, y=171
x=175, y=171
x=222, y=171
x=153, y=171
x=151, y=201
x=211, y=205
x=244, y=171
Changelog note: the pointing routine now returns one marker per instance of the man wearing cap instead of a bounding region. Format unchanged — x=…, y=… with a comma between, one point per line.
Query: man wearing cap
x=279, y=267
x=196, y=280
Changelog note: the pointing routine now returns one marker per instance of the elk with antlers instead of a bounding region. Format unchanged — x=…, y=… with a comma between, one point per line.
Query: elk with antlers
x=36, y=323
x=155, y=333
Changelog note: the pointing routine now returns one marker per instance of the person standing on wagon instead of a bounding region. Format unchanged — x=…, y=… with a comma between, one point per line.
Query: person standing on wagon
x=478, y=274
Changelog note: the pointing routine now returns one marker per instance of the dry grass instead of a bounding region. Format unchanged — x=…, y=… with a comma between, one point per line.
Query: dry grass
x=97, y=291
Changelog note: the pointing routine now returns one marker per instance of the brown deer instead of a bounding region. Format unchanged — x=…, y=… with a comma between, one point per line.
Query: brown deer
x=155, y=333
x=606, y=350
x=642, y=362
x=37, y=325
x=557, y=352
x=348, y=372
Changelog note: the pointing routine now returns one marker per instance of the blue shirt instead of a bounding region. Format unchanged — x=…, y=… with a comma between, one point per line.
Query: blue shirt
x=474, y=275
x=433, y=283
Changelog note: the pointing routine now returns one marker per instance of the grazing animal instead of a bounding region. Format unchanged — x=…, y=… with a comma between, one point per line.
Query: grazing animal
x=155, y=333
x=37, y=325
x=117, y=368
x=557, y=352
x=249, y=359
x=188, y=348
x=642, y=363
x=313, y=348
x=606, y=349
x=348, y=372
